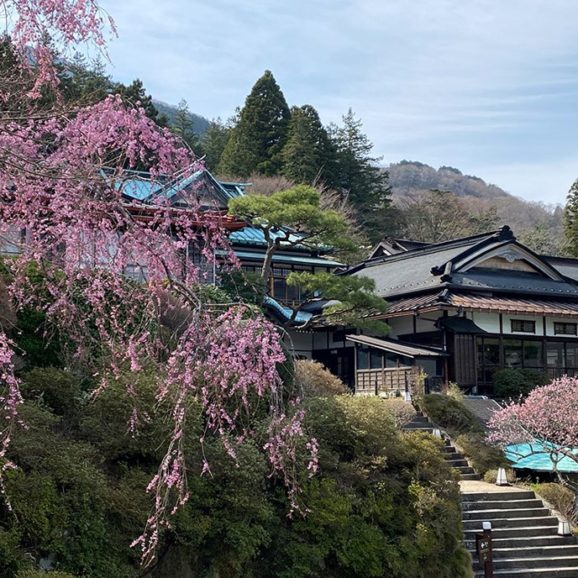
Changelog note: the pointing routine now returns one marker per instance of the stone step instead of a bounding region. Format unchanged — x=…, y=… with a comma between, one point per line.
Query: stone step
x=518, y=532
x=458, y=462
x=533, y=573
x=539, y=562
x=524, y=542
x=568, y=550
x=453, y=456
x=527, y=522
x=448, y=449
x=501, y=496
x=471, y=477
x=498, y=504
x=418, y=427
x=420, y=419
x=501, y=514
x=465, y=469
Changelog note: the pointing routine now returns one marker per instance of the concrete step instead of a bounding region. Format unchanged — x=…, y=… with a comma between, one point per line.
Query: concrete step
x=470, y=477
x=501, y=514
x=568, y=550
x=458, y=462
x=420, y=419
x=527, y=522
x=533, y=573
x=501, y=496
x=418, y=427
x=540, y=562
x=453, y=456
x=448, y=449
x=498, y=504
x=518, y=532
x=519, y=544
x=534, y=541
x=465, y=469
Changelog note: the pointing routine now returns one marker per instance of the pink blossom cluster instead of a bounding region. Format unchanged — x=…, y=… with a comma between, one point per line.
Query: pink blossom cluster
x=549, y=414
x=62, y=177
x=32, y=23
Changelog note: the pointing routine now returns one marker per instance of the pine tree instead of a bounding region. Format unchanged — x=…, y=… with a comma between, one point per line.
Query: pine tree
x=308, y=155
x=359, y=177
x=214, y=141
x=256, y=142
x=183, y=126
x=571, y=221
x=136, y=92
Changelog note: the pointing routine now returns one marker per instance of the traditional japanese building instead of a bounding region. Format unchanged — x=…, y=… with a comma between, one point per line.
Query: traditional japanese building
x=463, y=309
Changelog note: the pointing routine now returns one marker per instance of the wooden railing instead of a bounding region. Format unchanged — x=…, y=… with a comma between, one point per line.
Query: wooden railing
x=386, y=381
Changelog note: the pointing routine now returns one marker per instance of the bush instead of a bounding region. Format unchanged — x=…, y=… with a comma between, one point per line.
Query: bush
x=449, y=413
x=517, y=382
x=560, y=498
x=316, y=380
x=41, y=574
x=401, y=411
x=491, y=475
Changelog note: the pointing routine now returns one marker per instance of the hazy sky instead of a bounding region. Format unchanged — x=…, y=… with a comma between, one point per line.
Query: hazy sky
x=487, y=86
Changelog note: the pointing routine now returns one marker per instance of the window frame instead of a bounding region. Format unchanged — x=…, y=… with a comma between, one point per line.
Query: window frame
x=564, y=325
x=522, y=329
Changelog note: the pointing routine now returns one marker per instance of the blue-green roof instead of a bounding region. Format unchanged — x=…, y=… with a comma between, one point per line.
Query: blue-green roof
x=286, y=312
x=281, y=258
x=540, y=456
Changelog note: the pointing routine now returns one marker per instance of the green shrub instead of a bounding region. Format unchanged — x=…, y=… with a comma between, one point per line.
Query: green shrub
x=517, y=382
x=42, y=574
x=401, y=411
x=490, y=476
x=449, y=413
x=560, y=498
x=316, y=380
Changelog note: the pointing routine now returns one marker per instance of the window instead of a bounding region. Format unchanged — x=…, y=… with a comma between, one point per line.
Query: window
x=564, y=328
x=522, y=326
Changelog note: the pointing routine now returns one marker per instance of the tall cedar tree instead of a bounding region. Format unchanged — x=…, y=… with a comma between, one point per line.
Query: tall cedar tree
x=571, y=220
x=360, y=179
x=214, y=141
x=256, y=142
x=183, y=126
x=308, y=155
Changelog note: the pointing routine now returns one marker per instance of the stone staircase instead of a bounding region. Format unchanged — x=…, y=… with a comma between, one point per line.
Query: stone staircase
x=451, y=455
x=524, y=535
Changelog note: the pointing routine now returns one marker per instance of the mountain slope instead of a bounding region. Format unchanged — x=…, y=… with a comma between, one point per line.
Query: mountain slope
x=200, y=123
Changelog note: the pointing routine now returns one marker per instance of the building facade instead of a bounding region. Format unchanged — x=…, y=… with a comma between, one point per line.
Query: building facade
x=484, y=303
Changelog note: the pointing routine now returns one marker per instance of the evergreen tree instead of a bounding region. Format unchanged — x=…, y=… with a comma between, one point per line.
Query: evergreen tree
x=308, y=155
x=214, y=141
x=359, y=177
x=571, y=221
x=136, y=92
x=256, y=142
x=183, y=126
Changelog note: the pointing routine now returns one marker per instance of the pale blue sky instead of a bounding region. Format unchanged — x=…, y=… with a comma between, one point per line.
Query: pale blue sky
x=487, y=86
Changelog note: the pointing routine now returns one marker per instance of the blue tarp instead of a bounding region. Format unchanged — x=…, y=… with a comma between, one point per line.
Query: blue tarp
x=540, y=456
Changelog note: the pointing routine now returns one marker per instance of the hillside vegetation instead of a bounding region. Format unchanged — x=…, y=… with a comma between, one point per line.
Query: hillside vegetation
x=476, y=207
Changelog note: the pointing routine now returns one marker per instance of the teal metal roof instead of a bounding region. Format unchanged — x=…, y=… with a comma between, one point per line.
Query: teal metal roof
x=143, y=188
x=286, y=312
x=255, y=236
x=540, y=456
x=297, y=259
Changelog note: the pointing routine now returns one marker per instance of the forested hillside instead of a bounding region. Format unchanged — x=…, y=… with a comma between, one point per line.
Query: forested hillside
x=469, y=206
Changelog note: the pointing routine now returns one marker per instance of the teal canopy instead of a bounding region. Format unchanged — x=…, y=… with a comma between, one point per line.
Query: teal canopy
x=540, y=456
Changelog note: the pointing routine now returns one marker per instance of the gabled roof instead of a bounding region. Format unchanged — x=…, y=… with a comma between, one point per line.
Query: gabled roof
x=489, y=262
x=391, y=246
x=210, y=192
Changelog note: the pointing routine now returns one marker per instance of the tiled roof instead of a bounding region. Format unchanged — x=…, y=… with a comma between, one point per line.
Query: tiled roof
x=501, y=304
x=514, y=305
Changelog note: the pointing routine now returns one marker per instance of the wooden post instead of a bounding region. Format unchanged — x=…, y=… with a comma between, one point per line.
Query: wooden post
x=484, y=551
